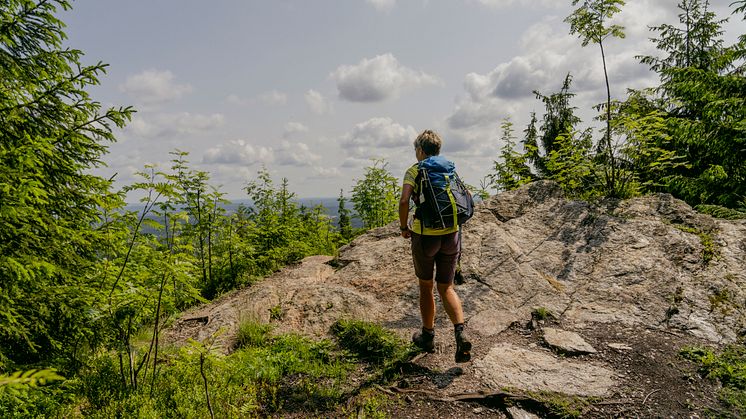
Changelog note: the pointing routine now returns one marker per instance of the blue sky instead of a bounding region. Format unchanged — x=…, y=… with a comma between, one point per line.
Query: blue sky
x=314, y=89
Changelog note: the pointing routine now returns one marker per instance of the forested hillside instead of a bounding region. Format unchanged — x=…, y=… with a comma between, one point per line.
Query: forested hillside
x=87, y=284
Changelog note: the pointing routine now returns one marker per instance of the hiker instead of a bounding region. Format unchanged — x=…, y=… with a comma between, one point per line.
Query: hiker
x=435, y=252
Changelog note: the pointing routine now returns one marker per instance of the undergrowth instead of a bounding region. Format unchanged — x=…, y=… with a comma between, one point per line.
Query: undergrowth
x=266, y=375
x=728, y=368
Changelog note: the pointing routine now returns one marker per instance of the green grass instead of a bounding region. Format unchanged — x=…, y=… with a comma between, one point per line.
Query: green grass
x=728, y=368
x=253, y=334
x=267, y=375
x=541, y=313
x=371, y=342
x=560, y=405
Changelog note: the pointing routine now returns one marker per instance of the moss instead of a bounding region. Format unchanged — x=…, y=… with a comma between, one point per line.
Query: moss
x=562, y=406
x=709, y=248
x=721, y=299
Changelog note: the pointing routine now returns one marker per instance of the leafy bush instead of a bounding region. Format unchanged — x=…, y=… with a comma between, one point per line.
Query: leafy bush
x=728, y=368
x=371, y=342
x=253, y=334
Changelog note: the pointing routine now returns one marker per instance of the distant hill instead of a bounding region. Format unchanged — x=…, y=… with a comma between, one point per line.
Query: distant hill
x=331, y=207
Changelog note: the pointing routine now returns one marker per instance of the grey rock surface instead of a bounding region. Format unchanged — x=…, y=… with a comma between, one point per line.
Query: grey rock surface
x=649, y=262
x=567, y=342
x=518, y=413
x=506, y=365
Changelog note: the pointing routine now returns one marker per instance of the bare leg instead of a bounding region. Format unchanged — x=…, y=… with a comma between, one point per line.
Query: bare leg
x=427, y=304
x=451, y=302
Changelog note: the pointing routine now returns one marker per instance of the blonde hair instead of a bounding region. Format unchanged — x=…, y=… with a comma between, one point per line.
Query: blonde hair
x=429, y=141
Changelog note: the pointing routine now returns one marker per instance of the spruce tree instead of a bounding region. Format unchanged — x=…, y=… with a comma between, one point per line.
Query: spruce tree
x=51, y=134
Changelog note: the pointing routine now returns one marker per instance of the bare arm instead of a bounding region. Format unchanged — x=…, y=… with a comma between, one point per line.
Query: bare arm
x=406, y=193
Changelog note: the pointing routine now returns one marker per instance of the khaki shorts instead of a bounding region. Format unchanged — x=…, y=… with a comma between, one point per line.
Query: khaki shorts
x=439, y=253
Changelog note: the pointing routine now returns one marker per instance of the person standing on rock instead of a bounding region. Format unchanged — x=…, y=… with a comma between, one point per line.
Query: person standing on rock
x=435, y=253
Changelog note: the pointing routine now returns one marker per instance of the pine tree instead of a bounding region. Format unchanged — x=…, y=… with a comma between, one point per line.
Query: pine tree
x=51, y=133
x=375, y=196
x=702, y=98
x=344, y=223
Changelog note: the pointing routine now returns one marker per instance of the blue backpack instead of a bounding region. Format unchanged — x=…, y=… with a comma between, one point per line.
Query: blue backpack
x=443, y=200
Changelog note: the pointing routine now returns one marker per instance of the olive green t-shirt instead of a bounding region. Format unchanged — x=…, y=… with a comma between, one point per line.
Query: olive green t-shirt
x=416, y=227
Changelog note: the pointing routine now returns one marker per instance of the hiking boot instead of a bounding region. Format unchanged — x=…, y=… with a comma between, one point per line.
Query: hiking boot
x=463, y=347
x=424, y=340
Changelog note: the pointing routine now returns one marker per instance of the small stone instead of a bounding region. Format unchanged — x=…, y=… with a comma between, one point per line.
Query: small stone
x=567, y=342
x=518, y=413
x=620, y=346
x=478, y=410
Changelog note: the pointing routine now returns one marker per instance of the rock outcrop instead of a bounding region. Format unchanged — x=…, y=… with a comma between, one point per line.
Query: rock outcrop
x=649, y=263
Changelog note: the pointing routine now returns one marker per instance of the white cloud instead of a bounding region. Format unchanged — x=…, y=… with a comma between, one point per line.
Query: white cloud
x=161, y=126
x=241, y=152
x=532, y=3
x=295, y=154
x=238, y=152
x=321, y=172
x=378, y=79
x=234, y=99
x=382, y=5
x=154, y=87
x=292, y=128
x=317, y=102
x=551, y=53
x=377, y=133
x=273, y=98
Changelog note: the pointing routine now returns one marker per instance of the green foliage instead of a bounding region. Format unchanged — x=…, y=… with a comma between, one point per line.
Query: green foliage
x=702, y=97
x=344, y=223
x=542, y=313
x=289, y=373
x=371, y=342
x=709, y=247
x=590, y=23
x=718, y=211
x=728, y=368
x=278, y=231
x=51, y=133
x=253, y=334
x=556, y=151
x=375, y=197
x=30, y=378
x=572, y=166
x=562, y=406
x=512, y=170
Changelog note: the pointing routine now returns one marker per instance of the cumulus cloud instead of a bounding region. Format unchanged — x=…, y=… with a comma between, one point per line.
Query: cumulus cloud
x=238, y=152
x=550, y=54
x=154, y=86
x=292, y=128
x=242, y=152
x=160, y=126
x=273, y=98
x=295, y=154
x=317, y=102
x=382, y=5
x=533, y=3
x=378, y=79
x=377, y=133
x=321, y=172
